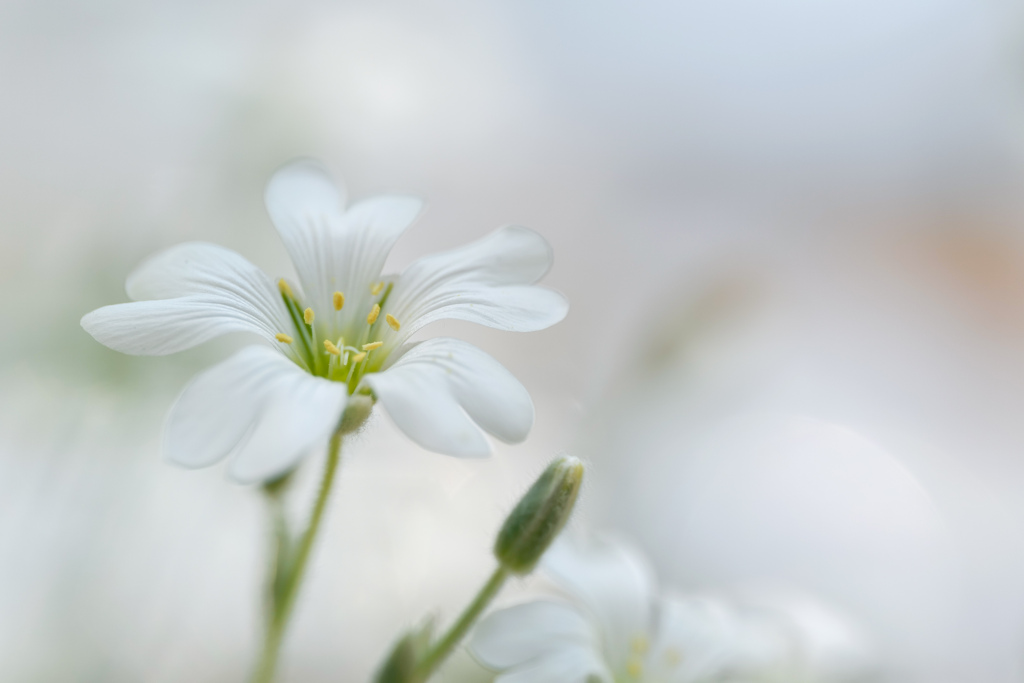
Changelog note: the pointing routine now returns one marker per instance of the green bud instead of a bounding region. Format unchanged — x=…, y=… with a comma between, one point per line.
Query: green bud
x=356, y=413
x=402, y=665
x=540, y=515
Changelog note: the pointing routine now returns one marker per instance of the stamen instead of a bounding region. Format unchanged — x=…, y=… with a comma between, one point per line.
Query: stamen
x=373, y=345
x=376, y=288
x=640, y=645
x=372, y=318
x=393, y=321
x=672, y=657
x=339, y=300
x=285, y=288
x=308, y=316
x=331, y=348
x=283, y=338
x=635, y=668
x=358, y=358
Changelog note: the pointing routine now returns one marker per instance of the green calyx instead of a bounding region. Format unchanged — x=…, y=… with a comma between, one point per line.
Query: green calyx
x=403, y=663
x=357, y=411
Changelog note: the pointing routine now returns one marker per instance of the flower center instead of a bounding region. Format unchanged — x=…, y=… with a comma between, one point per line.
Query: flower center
x=635, y=664
x=338, y=355
x=643, y=666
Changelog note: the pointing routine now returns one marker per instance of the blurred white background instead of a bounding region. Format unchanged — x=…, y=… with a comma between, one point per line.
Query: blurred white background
x=790, y=233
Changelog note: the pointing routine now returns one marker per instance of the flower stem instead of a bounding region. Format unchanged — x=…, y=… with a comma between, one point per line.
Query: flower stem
x=440, y=651
x=289, y=572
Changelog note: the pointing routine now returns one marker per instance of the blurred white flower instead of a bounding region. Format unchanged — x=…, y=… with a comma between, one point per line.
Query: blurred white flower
x=615, y=628
x=344, y=331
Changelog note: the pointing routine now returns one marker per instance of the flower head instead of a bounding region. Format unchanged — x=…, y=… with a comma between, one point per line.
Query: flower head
x=342, y=329
x=615, y=629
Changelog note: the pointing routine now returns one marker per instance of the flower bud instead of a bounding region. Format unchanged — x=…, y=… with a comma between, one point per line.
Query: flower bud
x=539, y=516
x=402, y=664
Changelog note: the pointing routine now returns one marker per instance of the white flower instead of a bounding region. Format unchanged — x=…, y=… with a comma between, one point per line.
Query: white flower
x=615, y=628
x=342, y=329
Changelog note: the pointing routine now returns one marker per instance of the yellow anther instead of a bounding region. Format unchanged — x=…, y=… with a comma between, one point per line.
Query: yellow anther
x=672, y=657
x=331, y=348
x=285, y=288
x=372, y=318
x=376, y=288
x=373, y=345
x=640, y=645
x=339, y=300
x=283, y=338
x=359, y=357
x=635, y=668
x=307, y=315
x=393, y=321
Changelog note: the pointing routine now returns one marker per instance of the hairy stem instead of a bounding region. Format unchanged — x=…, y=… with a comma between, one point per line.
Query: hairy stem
x=289, y=569
x=440, y=651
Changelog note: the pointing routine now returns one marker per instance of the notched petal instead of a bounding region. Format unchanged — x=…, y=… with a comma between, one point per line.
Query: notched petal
x=443, y=391
x=259, y=407
x=185, y=296
x=519, y=634
x=490, y=282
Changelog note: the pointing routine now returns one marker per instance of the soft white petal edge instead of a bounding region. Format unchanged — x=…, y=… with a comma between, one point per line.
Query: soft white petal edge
x=703, y=628
x=438, y=391
x=259, y=406
x=199, y=291
x=521, y=633
x=334, y=250
x=303, y=202
x=612, y=582
x=574, y=664
x=489, y=282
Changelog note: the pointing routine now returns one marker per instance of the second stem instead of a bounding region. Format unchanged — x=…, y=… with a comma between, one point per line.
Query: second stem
x=439, y=652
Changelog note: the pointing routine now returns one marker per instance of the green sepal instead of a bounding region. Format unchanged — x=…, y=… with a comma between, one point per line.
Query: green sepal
x=403, y=663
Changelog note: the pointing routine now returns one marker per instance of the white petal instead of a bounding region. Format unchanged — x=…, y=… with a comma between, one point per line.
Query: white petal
x=258, y=405
x=300, y=415
x=700, y=638
x=298, y=190
x=612, y=582
x=334, y=251
x=371, y=227
x=577, y=664
x=216, y=409
x=306, y=207
x=522, y=633
x=201, y=291
x=438, y=389
x=489, y=282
